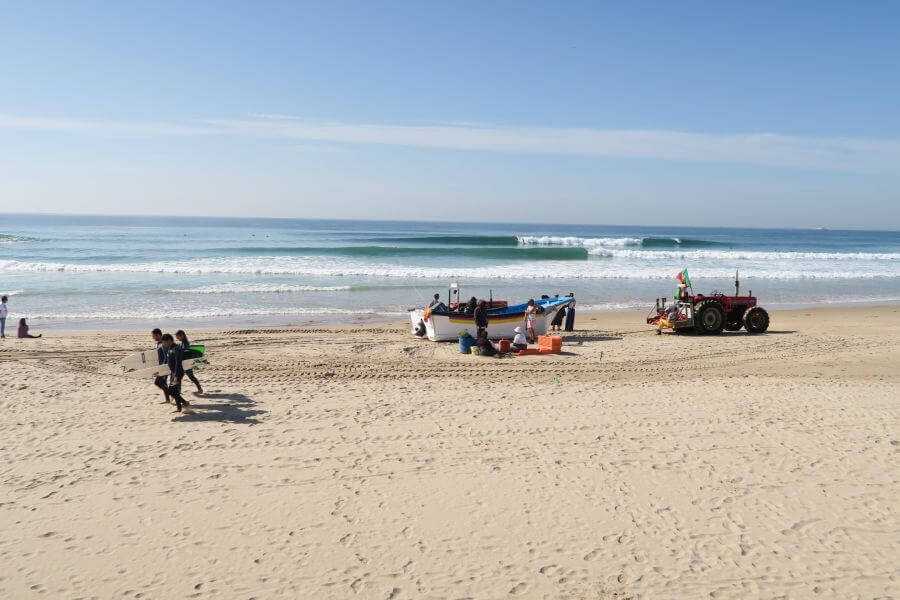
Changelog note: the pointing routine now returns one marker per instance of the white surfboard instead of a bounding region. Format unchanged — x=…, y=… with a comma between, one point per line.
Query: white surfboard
x=159, y=370
x=140, y=360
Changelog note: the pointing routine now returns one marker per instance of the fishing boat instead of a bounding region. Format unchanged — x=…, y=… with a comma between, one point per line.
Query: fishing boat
x=444, y=323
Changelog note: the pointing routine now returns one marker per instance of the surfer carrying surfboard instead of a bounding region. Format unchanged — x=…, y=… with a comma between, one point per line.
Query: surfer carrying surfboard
x=185, y=344
x=160, y=381
x=174, y=355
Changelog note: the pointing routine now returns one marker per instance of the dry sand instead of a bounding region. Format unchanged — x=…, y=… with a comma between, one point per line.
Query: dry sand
x=362, y=463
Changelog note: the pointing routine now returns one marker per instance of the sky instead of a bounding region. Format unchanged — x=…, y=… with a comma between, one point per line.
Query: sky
x=764, y=114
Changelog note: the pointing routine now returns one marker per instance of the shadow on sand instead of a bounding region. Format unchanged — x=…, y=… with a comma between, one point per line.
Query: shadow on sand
x=238, y=408
x=574, y=339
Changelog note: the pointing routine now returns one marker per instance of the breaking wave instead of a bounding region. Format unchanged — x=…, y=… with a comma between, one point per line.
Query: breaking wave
x=6, y=238
x=617, y=242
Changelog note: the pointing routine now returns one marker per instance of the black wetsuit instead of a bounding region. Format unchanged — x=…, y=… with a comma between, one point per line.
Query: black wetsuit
x=481, y=320
x=486, y=348
x=160, y=381
x=185, y=345
x=176, y=371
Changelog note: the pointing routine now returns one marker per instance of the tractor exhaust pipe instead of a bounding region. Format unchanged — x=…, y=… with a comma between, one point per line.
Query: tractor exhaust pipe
x=737, y=284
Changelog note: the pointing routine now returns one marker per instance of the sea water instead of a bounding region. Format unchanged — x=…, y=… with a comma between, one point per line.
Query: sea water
x=64, y=271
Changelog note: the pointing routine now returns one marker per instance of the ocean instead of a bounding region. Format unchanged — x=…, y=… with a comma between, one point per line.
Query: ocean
x=73, y=272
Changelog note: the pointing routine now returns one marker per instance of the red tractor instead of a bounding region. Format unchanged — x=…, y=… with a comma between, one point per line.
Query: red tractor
x=710, y=314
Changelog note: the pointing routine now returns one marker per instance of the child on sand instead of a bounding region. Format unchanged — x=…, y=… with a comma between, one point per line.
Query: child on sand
x=519, y=342
x=23, y=330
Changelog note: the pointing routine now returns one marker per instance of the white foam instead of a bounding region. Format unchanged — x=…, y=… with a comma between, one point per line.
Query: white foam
x=624, y=264
x=208, y=312
x=13, y=293
x=259, y=288
x=552, y=240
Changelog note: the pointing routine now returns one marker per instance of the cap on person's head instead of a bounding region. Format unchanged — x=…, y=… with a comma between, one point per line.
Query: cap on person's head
x=518, y=329
x=156, y=331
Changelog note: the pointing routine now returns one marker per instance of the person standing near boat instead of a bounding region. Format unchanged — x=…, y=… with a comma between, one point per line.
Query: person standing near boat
x=481, y=320
x=435, y=301
x=3, y=312
x=570, y=313
x=531, y=311
x=557, y=323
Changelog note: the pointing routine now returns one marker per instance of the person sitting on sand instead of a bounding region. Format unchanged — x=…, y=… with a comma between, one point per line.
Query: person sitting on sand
x=23, y=330
x=519, y=342
x=182, y=338
x=174, y=355
x=485, y=347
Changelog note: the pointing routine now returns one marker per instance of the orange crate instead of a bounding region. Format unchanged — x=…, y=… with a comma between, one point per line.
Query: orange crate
x=550, y=343
x=503, y=345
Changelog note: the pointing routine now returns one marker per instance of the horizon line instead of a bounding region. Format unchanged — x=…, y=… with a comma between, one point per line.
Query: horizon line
x=345, y=219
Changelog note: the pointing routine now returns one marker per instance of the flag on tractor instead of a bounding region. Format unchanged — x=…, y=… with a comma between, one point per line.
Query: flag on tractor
x=684, y=278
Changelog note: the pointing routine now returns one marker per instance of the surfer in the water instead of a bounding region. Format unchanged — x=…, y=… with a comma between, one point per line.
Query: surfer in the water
x=176, y=371
x=161, y=353
x=182, y=338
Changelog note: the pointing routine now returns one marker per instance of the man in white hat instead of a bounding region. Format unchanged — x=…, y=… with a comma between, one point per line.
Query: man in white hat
x=519, y=342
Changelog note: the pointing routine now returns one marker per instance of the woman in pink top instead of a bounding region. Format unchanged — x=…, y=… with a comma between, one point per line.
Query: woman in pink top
x=23, y=330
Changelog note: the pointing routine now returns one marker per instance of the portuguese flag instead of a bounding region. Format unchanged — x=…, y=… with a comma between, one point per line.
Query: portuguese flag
x=684, y=278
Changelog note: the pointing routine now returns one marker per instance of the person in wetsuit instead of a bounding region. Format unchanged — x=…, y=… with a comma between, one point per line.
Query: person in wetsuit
x=185, y=344
x=481, y=320
x=160, y=381
x=174, y=356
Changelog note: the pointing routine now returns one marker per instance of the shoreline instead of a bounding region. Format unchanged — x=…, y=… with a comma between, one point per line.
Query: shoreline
x=360, y=320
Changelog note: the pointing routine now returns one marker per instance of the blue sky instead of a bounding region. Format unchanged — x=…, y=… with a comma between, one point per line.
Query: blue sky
x=770, y=114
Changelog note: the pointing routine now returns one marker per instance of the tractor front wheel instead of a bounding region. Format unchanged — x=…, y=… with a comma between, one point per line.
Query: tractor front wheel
x=709, y=317
x=756, y=320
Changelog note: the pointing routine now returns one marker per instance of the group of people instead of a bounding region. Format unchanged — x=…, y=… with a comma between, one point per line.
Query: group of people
x=23, y=331
x=170, y=351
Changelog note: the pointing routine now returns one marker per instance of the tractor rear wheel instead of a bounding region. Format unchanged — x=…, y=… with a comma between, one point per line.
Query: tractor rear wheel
x=709, y=317
x=756, y=320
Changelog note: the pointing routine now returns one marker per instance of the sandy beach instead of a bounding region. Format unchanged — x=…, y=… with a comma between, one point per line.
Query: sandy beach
x=358, y=462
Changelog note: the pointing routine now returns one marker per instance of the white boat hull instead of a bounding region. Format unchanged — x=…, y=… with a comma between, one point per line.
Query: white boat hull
x=442, y=328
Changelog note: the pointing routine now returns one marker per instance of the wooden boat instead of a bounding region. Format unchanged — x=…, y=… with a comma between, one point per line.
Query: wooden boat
x=442, y=324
